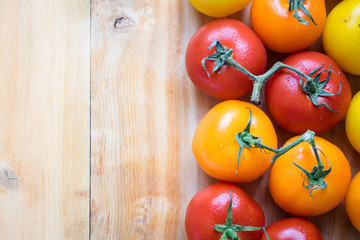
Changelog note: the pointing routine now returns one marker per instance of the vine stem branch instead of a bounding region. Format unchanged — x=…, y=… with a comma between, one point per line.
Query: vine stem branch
x=315, y=176
x=312, y=86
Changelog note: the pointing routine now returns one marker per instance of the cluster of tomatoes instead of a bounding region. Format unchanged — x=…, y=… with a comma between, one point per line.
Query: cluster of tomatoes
x=306, y=93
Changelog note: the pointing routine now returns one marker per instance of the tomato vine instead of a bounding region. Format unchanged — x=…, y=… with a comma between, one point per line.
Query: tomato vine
x=312, y=86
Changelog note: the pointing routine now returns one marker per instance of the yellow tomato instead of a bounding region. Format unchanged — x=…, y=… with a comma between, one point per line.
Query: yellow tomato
x=216, y=8
x=352, y=201
x=341, y=36
x=353, y=122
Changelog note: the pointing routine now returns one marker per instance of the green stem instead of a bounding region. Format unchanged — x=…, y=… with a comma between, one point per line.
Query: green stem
x=237, y=66
x=223, y=56
x=294, y=5
x=312, y=142
x=229, y=229
x=260, y=80
x=308, y=136
x=315, y=176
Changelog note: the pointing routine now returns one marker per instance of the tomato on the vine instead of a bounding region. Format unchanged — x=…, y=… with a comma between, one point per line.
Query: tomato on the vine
x=352, y=122
x=215, y=146
x=352, y=201
x=222, y=8
x=292, y=229
x=341, y=37
x=209, y=207
x=293, y=109
x=289, y=186
x=248, y=50
x=280, y=30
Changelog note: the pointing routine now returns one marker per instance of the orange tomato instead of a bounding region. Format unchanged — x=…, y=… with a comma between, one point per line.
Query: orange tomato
x=286, y=180
x=352, y=201
x=216, y=149
x=280, y=31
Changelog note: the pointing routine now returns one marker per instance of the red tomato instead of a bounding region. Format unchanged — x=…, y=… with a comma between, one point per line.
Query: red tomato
x=292, y=229
x=248, y=51
x=210, y=206
x=292, y=109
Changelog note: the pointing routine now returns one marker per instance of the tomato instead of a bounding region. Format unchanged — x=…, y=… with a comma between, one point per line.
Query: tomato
x=248, y=51
x=280, y=31
x=292, y=229
x=341, y=37
x=210, y=206
x=352, y=201
x=222, y=8
x=352, y=122
x=292, y=109
x=286, y=180
x=216, y=149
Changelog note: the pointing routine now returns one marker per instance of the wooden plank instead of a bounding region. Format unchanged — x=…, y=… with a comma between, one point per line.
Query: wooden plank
x=144, y=113
x=140, y=120
x=45, y=119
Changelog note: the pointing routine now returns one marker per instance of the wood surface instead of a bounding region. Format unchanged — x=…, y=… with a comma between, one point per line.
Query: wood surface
x=97, y=115
x=144, y=113
x=44, y=119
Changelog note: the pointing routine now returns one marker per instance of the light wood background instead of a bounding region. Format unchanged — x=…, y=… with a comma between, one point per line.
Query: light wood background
x=97, y=115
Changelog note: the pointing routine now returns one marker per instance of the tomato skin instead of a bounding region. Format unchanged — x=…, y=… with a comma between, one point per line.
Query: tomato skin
x=249, y=52
x=209, y=207
x=292, y=109
x=341, y=37
x=292, y=229
x=352, y=201
x=215, y=147
x=286, y=180
x=280, y=31
x=352, y=123
x=215, y=8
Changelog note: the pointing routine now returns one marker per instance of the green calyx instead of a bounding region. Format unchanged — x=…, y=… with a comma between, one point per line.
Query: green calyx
x=314, y=88
x=222, y=57
x=229, y=229
x=294, y=5
x=315, y=176
x=245, y=139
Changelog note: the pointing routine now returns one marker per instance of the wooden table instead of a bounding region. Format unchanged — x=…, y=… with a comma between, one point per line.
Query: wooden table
x=96, y=119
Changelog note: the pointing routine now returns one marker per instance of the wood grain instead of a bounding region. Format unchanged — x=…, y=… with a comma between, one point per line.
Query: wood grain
x=44, y=119
x=139, y=123
x=144, y=111
x=144, y=114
